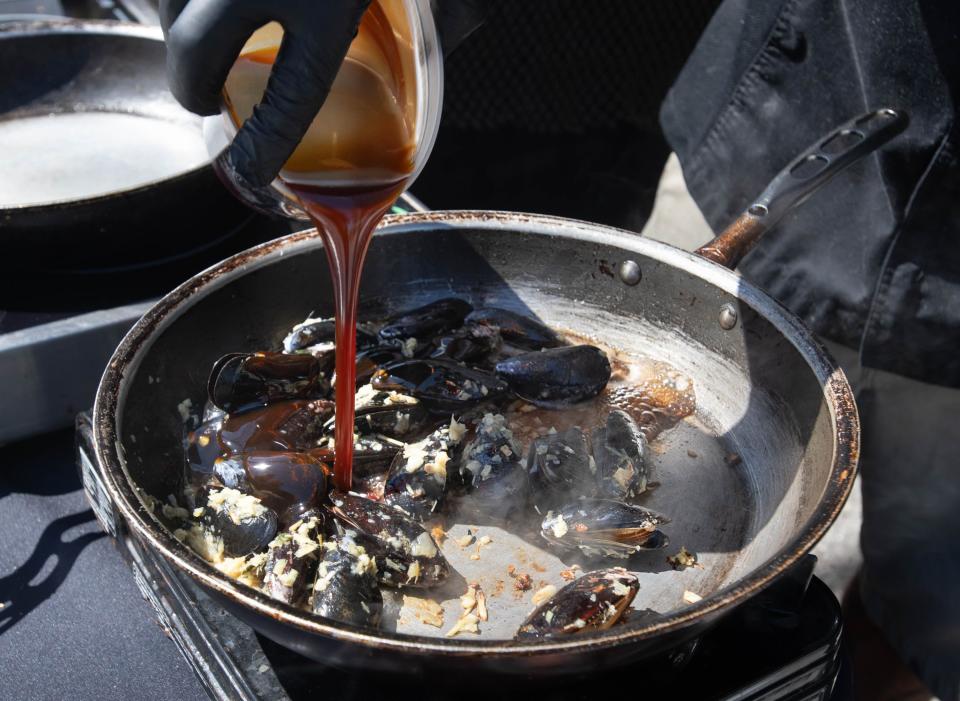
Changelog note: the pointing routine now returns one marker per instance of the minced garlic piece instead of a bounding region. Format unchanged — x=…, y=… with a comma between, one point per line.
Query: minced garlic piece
x=466, y=624
x=238, y=506
x=413, y=572
x=198, y=512
x=683, y=559
x=690, y=597
x=425, y=610
x=457, y=430
x=543, y=595
x=288, y=578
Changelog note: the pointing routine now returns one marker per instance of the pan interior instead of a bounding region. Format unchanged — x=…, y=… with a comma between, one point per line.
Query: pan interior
x=88, y=113
x=738, y=479
x=78, y=155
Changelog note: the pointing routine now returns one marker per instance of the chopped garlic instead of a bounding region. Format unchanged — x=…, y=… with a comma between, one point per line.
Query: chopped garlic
x=288, y=578
x=413, y=572
x=691, y=597
x=467, y=624
x=457, y=430
x=425, y=610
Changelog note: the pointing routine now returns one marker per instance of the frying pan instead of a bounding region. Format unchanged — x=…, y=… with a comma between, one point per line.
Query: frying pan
x=766, y=393
x=101, y=168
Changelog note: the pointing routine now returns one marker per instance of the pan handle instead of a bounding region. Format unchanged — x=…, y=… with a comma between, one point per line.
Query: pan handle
x=791, y=187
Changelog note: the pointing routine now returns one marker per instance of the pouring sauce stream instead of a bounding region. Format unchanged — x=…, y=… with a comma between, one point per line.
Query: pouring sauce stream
x=355, y=159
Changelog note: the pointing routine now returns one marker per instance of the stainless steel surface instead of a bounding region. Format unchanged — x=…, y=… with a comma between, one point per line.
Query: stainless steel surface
x=728, y=317
x=630, y=272
x=774, y=437
x=50, y=371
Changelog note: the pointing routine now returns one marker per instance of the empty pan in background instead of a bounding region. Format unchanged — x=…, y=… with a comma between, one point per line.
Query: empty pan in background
x=102, y=167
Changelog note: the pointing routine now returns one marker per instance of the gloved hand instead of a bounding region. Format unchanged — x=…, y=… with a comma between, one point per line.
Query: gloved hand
x=204, y=38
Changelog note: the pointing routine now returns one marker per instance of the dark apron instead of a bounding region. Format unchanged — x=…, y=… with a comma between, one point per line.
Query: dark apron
x=873, y=261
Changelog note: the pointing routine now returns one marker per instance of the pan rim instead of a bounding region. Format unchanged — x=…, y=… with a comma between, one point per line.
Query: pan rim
x=112, y=391
x=19, y=27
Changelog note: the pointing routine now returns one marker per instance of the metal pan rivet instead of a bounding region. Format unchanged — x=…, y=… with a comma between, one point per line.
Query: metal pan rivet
x=728, y=317
x=758, y=210
x=630, y=272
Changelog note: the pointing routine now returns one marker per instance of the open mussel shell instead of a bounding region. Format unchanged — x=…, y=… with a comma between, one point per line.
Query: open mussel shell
x=604, y=528
x=419, y=474
x=492, y=470
x=441, y=385
x=346, y=589
x=516, y=329
x=287, y=482
x=296, y=424
x=470, y=344
x=244, y=529
x=427, y=321
x=557, y=376
x=594, y=602
x=241, y=381
x=406, y=555
x=292, y=561
x=619, y=449
x=560, y=469
x=319, y=334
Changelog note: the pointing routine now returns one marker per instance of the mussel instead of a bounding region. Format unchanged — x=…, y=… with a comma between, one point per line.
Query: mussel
x=604, y=527
x=619, y=449
x=371, y=454
x=470, y=344
x=560, y=469
x=241, y=381
x=516, y=329
x=289, y=425
x=406, y=554
x=557, y=376
x=292, y=561
x=318, y=334
x=427, y=321
x=289, y=483
x=591, y=603
x=417, y=480
x=441, y=385
x=387, y=413
x=346, y=589
x=201, y=451
x=241, y=521
x=492, y=470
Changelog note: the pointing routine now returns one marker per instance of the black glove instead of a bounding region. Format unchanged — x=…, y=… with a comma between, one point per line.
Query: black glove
x=204, y=38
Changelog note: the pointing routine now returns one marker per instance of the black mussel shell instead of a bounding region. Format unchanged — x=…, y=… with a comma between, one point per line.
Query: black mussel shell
x=346, y=588
x=201, y=451
x=604, y=527
x=289, y=483
x=619, y=449
x=418, y=477
x=593, y=602
x=321, y=332
x=560, y=469
x=296, y=424
x=516, y=329
x=492, y=470
x=406, y=554
x=427, y=321
x=243, y=534
x=557, y=375
x=241, y=381
x=470, y=344
x=299, y=551
x=441, y=385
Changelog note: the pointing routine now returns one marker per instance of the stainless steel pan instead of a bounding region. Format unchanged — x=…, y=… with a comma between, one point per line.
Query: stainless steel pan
x=766, y=393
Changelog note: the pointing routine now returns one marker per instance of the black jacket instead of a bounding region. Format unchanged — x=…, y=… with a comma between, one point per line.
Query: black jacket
x=873, y=261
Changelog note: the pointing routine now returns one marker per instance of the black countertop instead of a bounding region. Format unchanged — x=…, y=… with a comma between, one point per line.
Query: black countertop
x=73, y=624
